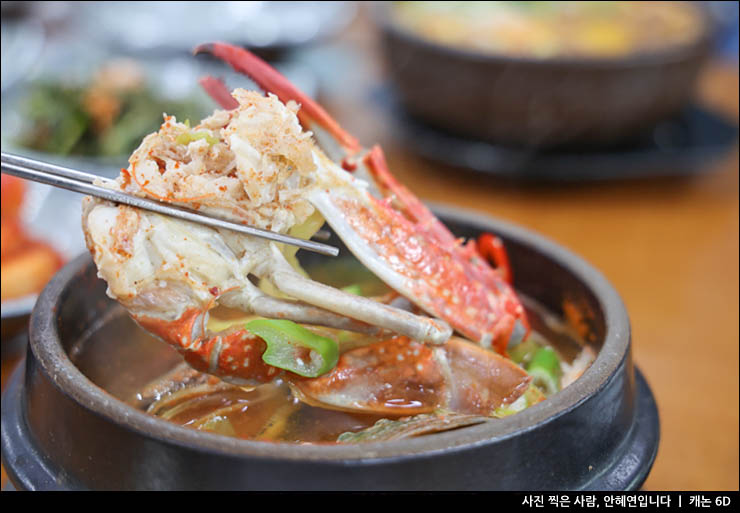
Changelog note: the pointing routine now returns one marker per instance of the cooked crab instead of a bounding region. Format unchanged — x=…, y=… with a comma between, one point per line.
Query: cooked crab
x=258, y=162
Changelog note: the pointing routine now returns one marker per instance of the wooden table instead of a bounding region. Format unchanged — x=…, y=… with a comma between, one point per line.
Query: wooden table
x=670, y=247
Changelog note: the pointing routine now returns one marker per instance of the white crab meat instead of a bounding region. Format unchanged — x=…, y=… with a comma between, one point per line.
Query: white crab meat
x=254, y=165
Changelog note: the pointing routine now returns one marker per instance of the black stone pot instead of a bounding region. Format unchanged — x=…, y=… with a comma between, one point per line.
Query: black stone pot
x=534, y=102
x=63, y=426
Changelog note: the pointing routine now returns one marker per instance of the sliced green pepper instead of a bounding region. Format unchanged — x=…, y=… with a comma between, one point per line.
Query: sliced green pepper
x=294, y=348
x=545, y=368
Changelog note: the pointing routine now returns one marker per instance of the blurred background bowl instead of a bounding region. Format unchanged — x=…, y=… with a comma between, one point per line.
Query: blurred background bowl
x=539, y=101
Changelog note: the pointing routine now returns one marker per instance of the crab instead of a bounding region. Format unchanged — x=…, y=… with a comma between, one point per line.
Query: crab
x=278, y=161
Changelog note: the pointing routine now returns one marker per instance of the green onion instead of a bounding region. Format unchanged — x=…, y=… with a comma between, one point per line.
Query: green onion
x=530, y=397
x=544, y=367
x=510, y=409
x=294, y=348
x=189, y=137
x=533, y=395
x=522, y=353
x=217, y=424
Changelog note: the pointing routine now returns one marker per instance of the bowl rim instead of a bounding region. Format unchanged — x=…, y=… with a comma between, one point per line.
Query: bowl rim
x=47, y=349
x=671, y=54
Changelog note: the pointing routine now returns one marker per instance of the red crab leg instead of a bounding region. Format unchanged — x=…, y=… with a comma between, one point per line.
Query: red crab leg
x=269, y=79
x=435, y=278
x=489, y=246
x=219, y=92
x=492, y=248
x=234, y=354
x=408, y=203
x=424, y=221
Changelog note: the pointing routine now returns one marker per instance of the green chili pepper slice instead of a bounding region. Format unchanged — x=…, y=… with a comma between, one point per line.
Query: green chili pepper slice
x=294, y=348
x=544, y=367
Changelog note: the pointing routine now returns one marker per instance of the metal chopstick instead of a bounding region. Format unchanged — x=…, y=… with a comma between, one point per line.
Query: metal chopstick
x=77, y=181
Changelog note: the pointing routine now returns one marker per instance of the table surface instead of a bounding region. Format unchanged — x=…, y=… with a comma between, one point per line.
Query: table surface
x=669, y=246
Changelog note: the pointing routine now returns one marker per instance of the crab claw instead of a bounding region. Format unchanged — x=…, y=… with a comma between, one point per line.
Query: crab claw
x=234, y=355
x=217, y=90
